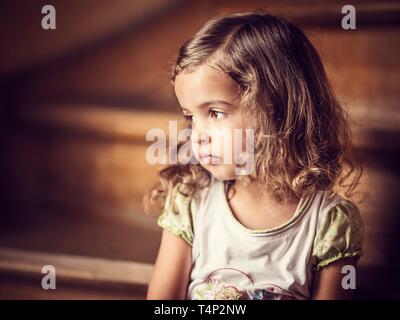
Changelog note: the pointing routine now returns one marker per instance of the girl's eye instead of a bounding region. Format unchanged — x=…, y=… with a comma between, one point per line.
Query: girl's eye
x=188, y=117
x=213, y=114
x=217, y=114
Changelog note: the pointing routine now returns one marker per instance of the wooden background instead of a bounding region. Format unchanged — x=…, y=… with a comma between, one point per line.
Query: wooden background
x=76, y=103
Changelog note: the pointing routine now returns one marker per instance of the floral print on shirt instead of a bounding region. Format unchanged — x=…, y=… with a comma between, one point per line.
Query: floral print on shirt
x=214, y=289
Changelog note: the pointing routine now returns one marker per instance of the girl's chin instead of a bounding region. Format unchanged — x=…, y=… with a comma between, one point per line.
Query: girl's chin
x=220, y=173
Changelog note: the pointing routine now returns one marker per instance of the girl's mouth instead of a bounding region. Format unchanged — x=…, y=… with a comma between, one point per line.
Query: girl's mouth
x=209, y=159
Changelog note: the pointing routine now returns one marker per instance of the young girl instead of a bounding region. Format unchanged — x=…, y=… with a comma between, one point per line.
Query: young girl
x=281, y=231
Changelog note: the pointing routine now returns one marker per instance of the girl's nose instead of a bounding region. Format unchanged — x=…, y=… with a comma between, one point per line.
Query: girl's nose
x=202, y=137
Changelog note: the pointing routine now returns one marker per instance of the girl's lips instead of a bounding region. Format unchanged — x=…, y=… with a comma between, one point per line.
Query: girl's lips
x=209, y=158
x=207, y=155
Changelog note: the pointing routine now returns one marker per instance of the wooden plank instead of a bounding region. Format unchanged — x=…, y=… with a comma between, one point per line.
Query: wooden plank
x=17, y=288
x=321, y=14
x=69, y=267
x=112, y=122
x=133, y=125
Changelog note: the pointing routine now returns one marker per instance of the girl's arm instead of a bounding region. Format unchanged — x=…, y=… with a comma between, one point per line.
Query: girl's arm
x=172, y=269
x=328, y=281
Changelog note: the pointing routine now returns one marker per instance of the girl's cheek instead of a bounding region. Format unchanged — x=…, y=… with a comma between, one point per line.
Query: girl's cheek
x=224, y=143
x=195, y=148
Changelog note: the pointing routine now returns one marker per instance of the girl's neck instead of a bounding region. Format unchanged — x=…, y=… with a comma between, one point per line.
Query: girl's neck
x=257, y=210
x=254, y=192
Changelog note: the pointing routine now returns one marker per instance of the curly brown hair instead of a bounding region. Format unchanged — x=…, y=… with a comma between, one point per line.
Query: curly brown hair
x=302, y=134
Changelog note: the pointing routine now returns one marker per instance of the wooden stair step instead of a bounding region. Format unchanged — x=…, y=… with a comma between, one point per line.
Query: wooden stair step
x=85, y=274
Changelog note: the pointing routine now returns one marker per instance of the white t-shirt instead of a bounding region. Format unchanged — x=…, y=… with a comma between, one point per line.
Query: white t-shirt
x=231, y=261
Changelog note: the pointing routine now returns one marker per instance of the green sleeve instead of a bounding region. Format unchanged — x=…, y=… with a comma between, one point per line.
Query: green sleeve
x=339, y=235
x=178, y=215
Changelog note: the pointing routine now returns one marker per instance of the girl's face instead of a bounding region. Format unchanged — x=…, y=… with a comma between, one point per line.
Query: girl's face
x=209, y=100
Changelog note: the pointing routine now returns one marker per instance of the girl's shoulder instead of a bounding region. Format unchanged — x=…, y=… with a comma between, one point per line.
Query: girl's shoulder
x=180, y=210
x=340, y=230
x=330, y=200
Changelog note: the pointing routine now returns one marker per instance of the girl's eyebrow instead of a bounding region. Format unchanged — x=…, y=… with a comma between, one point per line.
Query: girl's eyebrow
x=208, y=103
